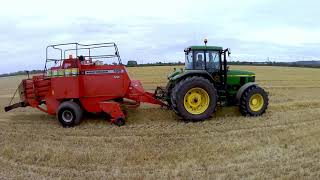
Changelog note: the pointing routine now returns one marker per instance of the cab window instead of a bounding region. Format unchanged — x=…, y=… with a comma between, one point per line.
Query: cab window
x=213, y=61
x=199, y=60
x=188, y=61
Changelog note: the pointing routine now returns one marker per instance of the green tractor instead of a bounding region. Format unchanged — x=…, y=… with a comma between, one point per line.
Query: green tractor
x=206, y=81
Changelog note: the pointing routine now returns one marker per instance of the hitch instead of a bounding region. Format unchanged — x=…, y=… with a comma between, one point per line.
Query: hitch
x=161, y=93
x=13, y=106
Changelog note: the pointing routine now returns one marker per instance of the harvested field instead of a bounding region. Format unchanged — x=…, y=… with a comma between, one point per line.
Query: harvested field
x=156, y=144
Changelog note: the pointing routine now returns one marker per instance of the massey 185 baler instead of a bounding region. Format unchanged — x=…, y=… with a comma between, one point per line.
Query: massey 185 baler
x=83, y=83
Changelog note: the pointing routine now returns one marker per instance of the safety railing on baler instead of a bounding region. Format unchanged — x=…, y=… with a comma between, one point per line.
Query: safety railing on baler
x=76, y=47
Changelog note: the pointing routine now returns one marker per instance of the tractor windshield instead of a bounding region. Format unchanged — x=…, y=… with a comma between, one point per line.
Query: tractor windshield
x=203, y=60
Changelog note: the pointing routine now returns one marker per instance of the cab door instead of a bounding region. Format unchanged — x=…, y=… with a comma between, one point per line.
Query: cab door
x=213, y=61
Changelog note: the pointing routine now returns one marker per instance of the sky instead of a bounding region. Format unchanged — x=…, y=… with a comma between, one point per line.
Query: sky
x=153, y=31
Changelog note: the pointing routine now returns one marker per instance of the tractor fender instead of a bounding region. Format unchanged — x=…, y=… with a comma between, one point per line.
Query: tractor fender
x=243, y=89
x=186, y=74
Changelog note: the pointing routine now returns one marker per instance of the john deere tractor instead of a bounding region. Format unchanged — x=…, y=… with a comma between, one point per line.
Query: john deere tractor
x=206, y=81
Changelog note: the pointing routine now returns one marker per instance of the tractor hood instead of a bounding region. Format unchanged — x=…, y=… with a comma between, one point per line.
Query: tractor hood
x=178, y=73
x=175, y=73
x=240, y=73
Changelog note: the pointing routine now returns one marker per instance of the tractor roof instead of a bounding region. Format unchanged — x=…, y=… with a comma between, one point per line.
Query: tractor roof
x=214, y=48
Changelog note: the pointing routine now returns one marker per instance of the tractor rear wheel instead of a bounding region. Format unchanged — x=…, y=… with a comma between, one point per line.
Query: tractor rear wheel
x=254, y=101
x=69, y=114
x=194, y=98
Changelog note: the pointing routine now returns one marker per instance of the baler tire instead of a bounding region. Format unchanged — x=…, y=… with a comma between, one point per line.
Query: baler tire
x=244, y=105
x=182, y=87
x=74, y=109
x=120, y=122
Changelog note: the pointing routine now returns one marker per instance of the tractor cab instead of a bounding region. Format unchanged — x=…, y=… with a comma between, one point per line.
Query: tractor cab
x=209, y=59
x=203, y=58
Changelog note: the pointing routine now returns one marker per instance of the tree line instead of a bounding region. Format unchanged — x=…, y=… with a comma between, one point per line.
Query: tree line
x=309, y=64
x=21, y=73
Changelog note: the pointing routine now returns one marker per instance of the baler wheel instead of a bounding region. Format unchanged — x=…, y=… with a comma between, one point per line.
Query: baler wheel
x=69, y=114
x=120, y=121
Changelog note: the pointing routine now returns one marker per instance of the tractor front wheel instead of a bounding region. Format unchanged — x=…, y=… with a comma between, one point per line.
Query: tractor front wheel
x=69, y=114
x=194, y=98
x=254, y=101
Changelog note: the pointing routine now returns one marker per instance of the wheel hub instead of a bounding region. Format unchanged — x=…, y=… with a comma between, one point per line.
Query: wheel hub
x=256, y=102
x=67, y=116
x=196, y=101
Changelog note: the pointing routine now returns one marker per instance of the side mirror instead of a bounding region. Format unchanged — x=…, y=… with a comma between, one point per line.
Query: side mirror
x=229, y=51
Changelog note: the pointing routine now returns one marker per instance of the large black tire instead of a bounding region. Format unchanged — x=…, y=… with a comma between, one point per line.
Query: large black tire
x=180, y=90
x=69, y=114
x=169, y=87
x=246, y=109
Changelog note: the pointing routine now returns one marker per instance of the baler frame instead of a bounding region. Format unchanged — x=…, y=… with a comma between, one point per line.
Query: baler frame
x=79, y=84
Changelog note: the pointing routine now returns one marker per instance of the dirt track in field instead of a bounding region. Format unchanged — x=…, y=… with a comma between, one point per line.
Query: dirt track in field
x=283, y=143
